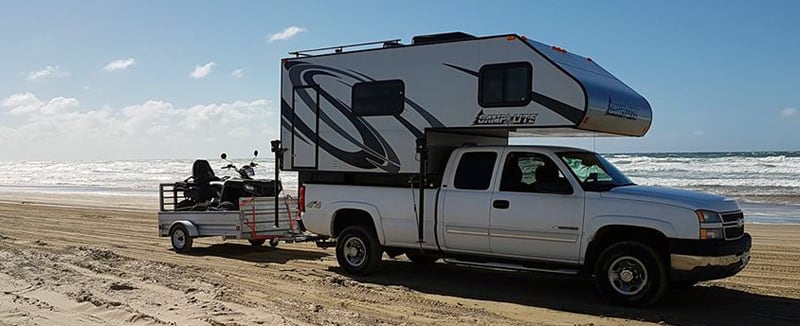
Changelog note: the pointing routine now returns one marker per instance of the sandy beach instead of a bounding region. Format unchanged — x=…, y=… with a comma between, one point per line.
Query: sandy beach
x=99, y=262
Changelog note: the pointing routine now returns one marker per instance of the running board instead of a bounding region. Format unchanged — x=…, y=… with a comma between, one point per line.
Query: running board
x=513, y=267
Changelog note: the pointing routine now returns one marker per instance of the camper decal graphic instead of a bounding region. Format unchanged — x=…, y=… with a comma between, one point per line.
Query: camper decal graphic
x=621, y=110
x=565, y=110
x=494, y=119
x=374, y=152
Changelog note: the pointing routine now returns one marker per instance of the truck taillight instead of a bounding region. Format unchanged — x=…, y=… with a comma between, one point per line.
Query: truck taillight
x=301, y=199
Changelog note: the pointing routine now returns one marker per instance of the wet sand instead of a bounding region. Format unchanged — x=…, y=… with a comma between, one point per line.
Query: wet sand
x=104, y=264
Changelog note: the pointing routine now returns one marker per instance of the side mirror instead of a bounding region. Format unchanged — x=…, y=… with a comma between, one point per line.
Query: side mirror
x=255, y=153
x=224, y=156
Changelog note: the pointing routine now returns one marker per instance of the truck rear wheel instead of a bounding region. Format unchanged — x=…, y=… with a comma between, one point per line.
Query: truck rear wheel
x=631, y=273
x=358, y=251
x=180, y=239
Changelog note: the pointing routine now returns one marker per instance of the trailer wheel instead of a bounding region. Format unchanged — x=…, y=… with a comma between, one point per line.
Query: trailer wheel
x=274, y=242
x=631, y=274
x=257, y=243
x=180, y=239
x=358, y=251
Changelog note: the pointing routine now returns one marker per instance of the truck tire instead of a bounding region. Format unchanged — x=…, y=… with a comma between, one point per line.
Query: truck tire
x=358, y=250
x=180, y=239
x=274, y=242
x=420, y=258
x=631, y=273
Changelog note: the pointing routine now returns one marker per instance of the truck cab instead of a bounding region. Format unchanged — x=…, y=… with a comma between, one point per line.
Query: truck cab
x=554, y=209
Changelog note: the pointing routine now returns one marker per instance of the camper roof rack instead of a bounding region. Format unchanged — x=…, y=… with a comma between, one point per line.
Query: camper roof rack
x=340, y=48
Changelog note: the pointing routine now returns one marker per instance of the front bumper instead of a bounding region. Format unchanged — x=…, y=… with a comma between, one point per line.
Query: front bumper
x=702, y=260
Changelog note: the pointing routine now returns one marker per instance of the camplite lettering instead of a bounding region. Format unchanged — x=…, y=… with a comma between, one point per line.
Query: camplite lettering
x=504, y=119
x=621, y=110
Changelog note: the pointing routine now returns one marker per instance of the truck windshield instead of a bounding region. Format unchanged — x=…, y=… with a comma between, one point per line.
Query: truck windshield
x=593, y=171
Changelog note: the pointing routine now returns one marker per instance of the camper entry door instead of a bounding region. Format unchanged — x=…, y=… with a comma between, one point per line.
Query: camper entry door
x=305, y=127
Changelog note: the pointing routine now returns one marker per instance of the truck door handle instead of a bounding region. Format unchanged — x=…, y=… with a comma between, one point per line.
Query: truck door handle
x=501, y=204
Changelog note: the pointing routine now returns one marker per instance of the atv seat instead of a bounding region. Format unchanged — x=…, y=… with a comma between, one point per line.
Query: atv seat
x=203, y=174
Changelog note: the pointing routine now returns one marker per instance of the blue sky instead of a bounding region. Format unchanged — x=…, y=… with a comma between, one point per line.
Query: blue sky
x=720, y=75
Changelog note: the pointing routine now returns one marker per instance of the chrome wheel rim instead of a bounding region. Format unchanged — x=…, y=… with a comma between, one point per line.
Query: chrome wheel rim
x=627, y=275
x=178, y=239
x=355, y=252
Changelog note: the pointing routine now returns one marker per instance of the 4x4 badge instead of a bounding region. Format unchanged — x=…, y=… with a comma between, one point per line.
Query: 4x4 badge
x=314, y=204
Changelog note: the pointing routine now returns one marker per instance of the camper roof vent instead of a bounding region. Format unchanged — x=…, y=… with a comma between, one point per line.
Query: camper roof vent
x=441, y=37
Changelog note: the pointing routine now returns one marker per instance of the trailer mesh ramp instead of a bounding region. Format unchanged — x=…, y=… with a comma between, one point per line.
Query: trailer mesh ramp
x=258, y=218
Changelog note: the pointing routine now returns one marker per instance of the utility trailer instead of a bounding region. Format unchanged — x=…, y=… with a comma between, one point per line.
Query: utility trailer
x=255, y=221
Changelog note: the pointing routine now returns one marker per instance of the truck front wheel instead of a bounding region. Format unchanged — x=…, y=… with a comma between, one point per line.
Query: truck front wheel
x=358, y=251
x=631, y=273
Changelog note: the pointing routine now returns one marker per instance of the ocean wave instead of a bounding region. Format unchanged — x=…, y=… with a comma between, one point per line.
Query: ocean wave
x=751, y=175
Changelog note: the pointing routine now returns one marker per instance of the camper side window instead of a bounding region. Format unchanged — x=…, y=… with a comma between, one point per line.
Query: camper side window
x=385, y=97
x=505, y=84
x=475, y=170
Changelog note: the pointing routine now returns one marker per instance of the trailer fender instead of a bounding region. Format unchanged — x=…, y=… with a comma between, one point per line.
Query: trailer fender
x=370, y=209
x=190, y=227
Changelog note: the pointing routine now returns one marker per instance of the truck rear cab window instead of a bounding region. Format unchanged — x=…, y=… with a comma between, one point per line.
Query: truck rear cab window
x=475, y=171
x=378, y=98
x=505, y=84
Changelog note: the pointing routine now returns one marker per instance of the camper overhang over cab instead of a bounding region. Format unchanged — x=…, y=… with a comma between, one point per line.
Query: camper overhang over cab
x=366, y=110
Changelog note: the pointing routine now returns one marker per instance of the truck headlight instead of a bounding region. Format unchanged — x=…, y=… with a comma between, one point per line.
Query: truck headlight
x=708, y=216
x=710, y=225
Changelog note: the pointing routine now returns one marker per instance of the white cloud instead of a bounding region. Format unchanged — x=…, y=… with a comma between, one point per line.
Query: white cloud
x=29, y=104
x=789, y=112
x=120, y=64
x=47, y=72
x=286, y=34
x=202, y=71
x=238, y=73
x=22, y=99
x=87, y=88
x=152, y=128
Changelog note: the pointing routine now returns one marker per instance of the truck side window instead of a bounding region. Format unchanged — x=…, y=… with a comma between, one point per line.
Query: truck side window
x=475, y=170
x=530, y=172
x=505, y=84
x=376, y=98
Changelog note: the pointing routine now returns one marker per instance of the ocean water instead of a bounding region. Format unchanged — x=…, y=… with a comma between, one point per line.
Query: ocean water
x=766, y=183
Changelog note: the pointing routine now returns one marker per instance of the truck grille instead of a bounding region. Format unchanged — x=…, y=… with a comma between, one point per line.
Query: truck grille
x=732, y=217
x=734, y=233
x=733, y=224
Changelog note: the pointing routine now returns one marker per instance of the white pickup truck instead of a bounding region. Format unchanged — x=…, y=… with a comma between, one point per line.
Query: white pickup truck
x=553, y=209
